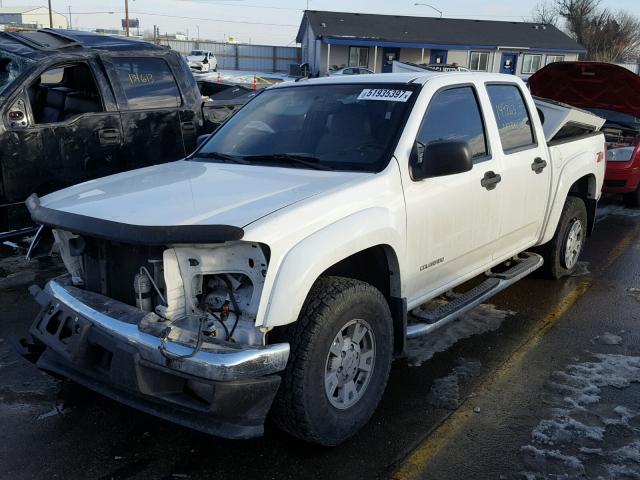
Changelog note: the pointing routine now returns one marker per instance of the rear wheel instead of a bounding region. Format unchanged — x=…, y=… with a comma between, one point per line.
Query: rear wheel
x=632, y=199
x=341, y=351
x=562, y=252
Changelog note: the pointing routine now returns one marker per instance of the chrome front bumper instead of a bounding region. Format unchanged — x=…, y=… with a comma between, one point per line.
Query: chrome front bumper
x=69, y=313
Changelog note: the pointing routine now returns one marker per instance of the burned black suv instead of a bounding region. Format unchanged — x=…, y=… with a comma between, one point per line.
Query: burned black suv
x=75, y=106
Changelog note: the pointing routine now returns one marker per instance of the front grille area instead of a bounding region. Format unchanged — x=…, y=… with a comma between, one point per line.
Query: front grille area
x=110, y=267
x=615, y=183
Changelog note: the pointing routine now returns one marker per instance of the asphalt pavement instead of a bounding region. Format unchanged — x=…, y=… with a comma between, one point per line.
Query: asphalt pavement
x=543, y=382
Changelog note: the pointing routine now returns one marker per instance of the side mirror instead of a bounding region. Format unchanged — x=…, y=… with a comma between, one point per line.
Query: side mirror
x=201, y=139
x=439, y=158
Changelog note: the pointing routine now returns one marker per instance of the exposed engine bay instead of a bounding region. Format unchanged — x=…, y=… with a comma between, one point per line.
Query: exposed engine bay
x=193, y=294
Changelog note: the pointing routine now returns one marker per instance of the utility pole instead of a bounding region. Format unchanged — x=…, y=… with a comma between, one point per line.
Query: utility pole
x=50, y=16
x=126, y=16
x=70, y=22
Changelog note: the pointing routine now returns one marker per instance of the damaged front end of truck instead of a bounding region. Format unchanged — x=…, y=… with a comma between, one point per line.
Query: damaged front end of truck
x=158, y=318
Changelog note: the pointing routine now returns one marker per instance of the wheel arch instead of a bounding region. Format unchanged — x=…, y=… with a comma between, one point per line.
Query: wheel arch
x=586, y=189
x=378, y=266
x=370, y=254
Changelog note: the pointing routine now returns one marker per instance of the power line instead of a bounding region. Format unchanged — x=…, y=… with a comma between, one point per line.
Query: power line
x=202, y=19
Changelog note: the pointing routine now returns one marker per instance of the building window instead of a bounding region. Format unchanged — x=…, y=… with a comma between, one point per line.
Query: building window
x=554, y=58
x=479, y=61
x=531, y=63
x=358, y=56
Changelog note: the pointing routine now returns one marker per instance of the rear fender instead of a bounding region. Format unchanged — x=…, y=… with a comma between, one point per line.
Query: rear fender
x=579, y=168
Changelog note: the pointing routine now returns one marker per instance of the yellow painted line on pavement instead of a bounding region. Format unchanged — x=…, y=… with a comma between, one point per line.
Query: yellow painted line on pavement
x=622, y=245
x=415, y=465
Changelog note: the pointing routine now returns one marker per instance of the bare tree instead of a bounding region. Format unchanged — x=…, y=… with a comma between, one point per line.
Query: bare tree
x=546, y=13
x=608, y=36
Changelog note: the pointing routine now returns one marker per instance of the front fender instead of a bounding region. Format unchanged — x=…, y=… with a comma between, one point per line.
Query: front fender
x=305, y=261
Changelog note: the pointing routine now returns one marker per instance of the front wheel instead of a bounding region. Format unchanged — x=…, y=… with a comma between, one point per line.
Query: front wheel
x=562, y=252
x=341, y=351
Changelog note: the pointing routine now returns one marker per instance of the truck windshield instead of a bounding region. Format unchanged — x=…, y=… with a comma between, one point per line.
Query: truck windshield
x=329, y=127
x=11, y=66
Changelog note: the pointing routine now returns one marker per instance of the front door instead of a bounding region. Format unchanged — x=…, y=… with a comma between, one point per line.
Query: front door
x=76, y=121
x=452, y=221
x=526, y=170
x=508, y=63
x=438, y=57
x=150, y=103
x=389, y=55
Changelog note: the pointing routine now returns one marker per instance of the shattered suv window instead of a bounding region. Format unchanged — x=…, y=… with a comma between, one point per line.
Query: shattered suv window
x=11, y=66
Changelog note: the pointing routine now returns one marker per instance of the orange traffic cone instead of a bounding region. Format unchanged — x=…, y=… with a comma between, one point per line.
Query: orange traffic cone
x=219, y=79
x=255, y=83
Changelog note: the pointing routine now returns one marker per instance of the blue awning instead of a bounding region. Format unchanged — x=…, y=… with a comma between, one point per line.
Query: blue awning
x=372, y=42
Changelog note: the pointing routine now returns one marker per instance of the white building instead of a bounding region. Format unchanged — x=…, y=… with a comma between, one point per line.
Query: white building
x=36, y=17
x=338, y=39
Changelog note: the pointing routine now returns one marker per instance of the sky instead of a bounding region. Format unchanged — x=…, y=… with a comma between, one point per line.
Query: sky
x=272, y=22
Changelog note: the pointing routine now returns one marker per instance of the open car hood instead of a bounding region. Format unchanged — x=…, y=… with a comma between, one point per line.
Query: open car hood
x=589, y=85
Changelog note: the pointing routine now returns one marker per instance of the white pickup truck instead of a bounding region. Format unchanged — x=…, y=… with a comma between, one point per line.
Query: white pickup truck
x=272, y=271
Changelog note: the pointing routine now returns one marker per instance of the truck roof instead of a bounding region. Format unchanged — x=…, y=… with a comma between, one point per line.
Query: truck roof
x=39, y=43
x=420, y=77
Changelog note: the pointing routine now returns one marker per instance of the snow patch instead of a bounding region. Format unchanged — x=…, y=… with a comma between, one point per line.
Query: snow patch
x=612, y=209
x=584, y=436
x=608, y=339
x=445, y=391
x=484, y=318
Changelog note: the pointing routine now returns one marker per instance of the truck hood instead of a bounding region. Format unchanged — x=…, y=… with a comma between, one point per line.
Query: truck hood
x=194, y=193
x=589, y=85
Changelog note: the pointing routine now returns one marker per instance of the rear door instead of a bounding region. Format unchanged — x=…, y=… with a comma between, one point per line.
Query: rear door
x=150, y=102
x=526, y=169
x=452, y=220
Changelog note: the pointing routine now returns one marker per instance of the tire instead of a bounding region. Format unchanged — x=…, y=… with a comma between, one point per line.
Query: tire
x=302, y=406
x=556, y=262
x=632, y=199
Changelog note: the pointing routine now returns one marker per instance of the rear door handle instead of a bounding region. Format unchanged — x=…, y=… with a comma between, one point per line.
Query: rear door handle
x=538, y=165
x=490, y=180
x=109, y=136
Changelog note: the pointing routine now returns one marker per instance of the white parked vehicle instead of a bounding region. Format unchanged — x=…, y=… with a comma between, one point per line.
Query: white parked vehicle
x=202, y=61
x=350, y=71
x=273, y=269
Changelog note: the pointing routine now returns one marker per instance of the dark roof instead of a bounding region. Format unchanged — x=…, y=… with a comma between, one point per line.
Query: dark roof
x=437, y=31
x=34, y=43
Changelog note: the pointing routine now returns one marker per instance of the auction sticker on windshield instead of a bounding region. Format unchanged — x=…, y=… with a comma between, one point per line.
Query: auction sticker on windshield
x=384, y=94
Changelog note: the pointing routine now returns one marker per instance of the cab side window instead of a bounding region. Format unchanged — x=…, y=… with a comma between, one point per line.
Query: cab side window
x=512, y=117
x=454, y=115
x=147, y=83
x=64, y=92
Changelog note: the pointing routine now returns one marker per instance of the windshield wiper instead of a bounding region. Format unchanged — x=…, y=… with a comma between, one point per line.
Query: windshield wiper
x=220, y=156
x=300, y=159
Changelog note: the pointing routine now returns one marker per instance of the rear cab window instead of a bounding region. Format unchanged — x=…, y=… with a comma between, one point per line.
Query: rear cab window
x=147, y=83
x=454, y=114
x=512, y=117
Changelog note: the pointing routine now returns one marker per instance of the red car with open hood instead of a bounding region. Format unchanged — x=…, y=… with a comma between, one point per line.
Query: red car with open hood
x=613, y=93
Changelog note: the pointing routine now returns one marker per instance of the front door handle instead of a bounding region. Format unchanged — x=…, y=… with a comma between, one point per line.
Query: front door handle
x=538, y=165
x=490, y=180
x=109, y=136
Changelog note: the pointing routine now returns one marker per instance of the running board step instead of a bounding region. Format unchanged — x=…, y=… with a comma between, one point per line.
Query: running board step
x=525, y=264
